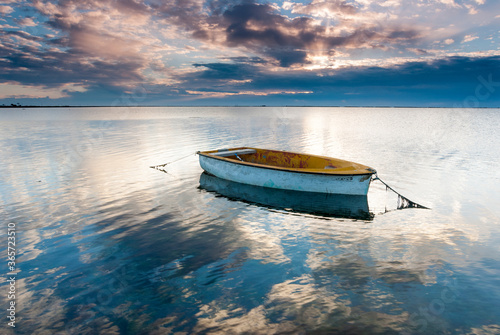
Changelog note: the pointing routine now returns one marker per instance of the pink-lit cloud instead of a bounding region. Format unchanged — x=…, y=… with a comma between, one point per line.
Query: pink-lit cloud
x=6, y=10
x=184, y=46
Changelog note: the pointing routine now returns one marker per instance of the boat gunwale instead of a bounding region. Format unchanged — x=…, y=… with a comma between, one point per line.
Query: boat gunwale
x=285, y=169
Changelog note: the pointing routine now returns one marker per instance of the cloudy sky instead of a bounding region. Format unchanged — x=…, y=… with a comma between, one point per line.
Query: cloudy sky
x=219, y=52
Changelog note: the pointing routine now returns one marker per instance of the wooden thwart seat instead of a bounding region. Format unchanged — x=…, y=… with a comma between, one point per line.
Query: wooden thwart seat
x=227, y=153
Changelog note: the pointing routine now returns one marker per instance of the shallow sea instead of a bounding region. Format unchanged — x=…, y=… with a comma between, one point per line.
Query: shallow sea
x=106, y=244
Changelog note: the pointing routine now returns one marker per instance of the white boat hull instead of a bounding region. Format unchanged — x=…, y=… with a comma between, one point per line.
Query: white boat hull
x=286, y=180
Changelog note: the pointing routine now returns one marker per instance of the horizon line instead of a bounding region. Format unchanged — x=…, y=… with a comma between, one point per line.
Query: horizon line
x=259, y=106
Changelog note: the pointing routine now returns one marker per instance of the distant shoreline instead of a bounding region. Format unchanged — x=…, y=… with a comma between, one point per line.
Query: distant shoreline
x=254, y=106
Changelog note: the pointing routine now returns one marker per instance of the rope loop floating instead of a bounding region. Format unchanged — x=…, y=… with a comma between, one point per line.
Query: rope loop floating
x=403, y=202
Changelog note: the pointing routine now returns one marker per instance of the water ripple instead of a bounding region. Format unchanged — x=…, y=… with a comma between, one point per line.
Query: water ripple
x=109, y=245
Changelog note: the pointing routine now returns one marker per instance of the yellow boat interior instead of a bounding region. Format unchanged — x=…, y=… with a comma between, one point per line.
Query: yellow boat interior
x=289, y=161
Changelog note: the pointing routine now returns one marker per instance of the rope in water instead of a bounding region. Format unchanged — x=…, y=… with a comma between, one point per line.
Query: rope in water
x=161, y=166
x=403, y=202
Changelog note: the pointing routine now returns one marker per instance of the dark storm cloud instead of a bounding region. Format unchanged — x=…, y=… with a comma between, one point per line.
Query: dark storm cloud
x=262, y=30
x=443, y=73
x=259, y=28
x=287, y=56
x=256, y=27
x=237, y=21
x=450, y=80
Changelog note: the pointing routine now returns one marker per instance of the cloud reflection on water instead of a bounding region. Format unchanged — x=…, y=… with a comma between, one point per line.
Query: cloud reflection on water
x=113, y=246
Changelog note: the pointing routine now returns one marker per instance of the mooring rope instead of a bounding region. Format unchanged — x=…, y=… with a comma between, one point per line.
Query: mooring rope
x=403, y=202
x=161, y=166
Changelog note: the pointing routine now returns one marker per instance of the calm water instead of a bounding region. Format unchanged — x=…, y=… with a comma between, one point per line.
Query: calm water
x=106, y=244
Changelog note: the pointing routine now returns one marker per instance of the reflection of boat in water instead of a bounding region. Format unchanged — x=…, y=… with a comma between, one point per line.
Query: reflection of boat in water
x=287, y=170
x=332, y=205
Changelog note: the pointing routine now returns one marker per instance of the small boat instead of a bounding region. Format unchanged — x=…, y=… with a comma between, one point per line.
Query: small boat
x=287, y=170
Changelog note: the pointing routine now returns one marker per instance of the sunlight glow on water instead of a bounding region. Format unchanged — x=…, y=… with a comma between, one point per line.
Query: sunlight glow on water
x=106, y=244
